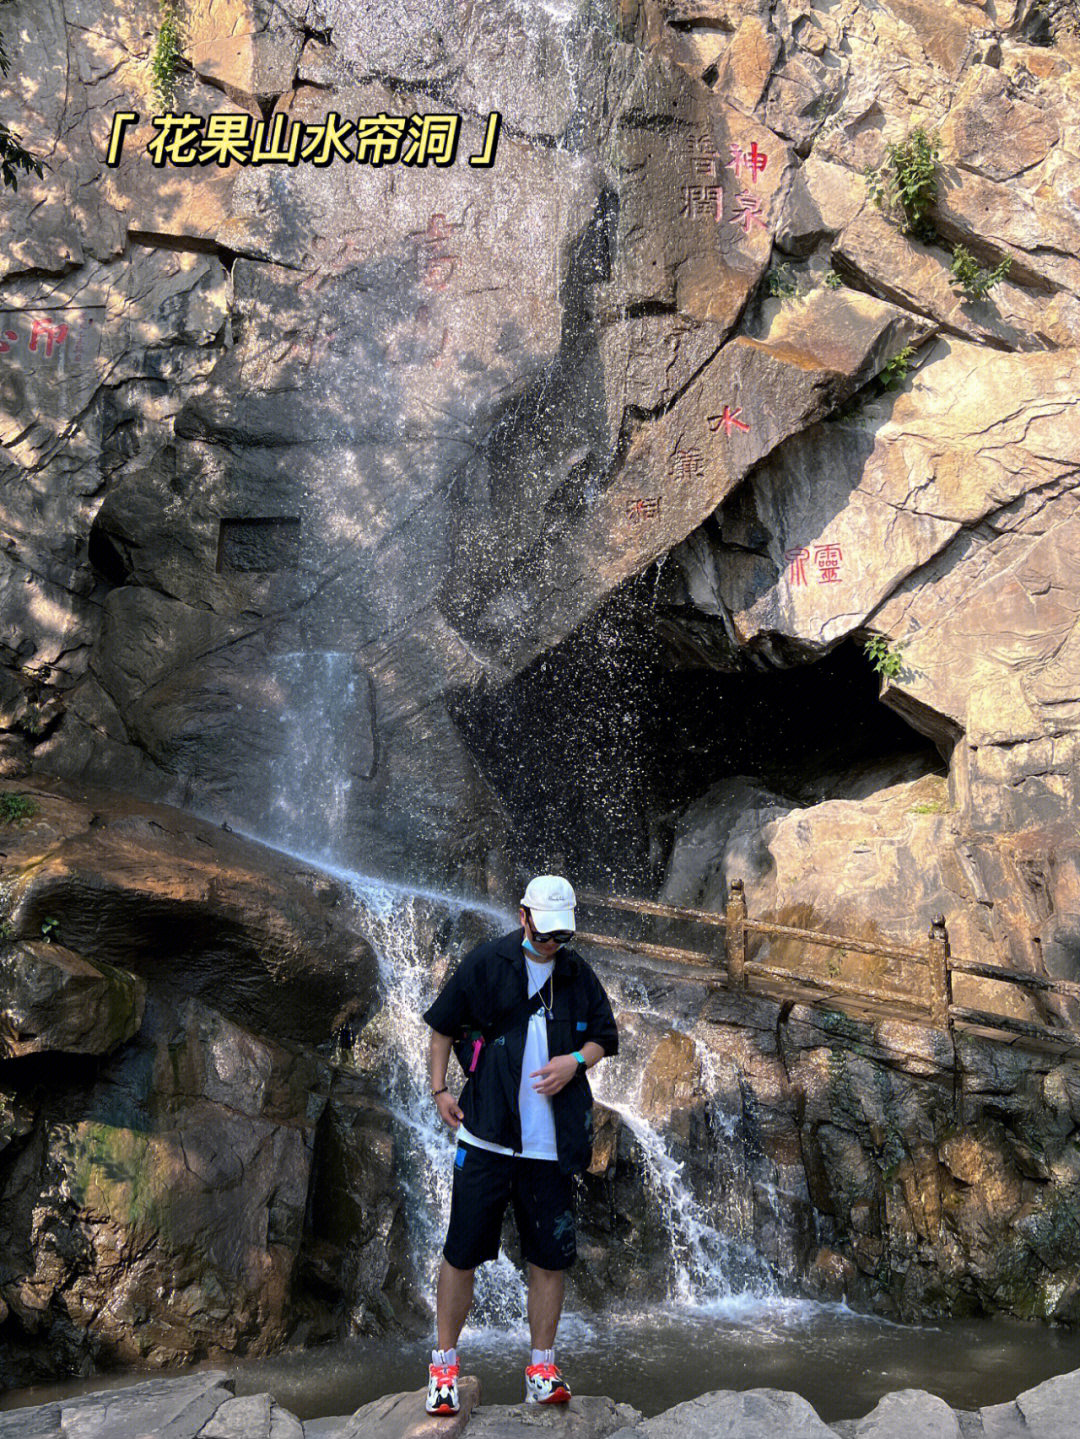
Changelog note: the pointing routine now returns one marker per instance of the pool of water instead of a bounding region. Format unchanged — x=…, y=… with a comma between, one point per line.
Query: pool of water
x=840, y=1361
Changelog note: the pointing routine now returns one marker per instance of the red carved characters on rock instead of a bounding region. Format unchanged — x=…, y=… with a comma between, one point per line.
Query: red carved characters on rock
x=686, y=466
x=827, y=558
x=436, y=263
x=753, y=161
x=729, y=420
x=647, y=507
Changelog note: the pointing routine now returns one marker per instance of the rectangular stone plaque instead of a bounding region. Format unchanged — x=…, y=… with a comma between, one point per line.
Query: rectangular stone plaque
x=271, y=543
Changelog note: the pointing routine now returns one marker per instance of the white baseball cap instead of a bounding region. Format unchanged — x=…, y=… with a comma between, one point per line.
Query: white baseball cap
x=550, y=900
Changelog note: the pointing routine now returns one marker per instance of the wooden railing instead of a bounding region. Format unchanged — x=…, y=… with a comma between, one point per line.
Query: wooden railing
x=935, y=1005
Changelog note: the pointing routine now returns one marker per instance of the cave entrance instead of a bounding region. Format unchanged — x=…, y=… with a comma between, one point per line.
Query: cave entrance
x=598, y=746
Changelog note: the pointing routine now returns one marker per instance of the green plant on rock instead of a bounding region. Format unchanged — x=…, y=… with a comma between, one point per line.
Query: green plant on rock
x=166, y=55
x=14, y=156
x=974, y=279
x=833, y=279
x=894, y=372
x=14, y=808
x=908, y=180
x=885, y=661
x=49, y=926
x=781, y=282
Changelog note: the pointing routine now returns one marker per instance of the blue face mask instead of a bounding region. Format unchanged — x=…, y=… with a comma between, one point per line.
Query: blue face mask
x=528, y=944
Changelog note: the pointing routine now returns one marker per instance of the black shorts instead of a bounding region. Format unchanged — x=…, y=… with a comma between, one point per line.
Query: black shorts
x=543, y=1200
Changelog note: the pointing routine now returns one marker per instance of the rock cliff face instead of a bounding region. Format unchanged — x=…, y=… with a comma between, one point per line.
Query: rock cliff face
x=447, y=518
x=329, y=456
x=168, y=996
x=875, y=1162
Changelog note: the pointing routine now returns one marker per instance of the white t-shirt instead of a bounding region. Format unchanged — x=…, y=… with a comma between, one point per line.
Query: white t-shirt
x=537, y=1115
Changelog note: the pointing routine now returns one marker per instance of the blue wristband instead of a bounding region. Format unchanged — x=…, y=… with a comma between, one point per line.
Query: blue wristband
x=580, y=1058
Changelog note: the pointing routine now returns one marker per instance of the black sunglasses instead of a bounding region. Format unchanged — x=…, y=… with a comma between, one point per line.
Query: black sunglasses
x=560, y=936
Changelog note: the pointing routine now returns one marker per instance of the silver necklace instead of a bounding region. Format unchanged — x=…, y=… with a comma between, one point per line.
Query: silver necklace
x=550, y=1001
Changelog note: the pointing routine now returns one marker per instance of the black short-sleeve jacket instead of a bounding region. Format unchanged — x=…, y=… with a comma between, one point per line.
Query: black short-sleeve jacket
x=488, y=983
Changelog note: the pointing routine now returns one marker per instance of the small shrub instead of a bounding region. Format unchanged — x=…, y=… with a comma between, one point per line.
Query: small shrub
x=974, y=279
x=894, y=371
x=833, y=280
x=885, y=661
x=14, y=808
x=166, y=54
x=909, y=179
x=781, y=282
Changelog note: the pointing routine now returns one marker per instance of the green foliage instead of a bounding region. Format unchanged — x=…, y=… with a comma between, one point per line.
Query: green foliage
x=16, y=807
x=13, y=154
x=49, y=926
x=975, y=280
x=885, y=661
x=781, y=282
x=894, y=371
x=908, y=180
x=833, y=280
x=166, y=54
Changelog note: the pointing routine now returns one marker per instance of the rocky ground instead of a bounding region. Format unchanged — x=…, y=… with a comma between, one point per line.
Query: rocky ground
x=204, y=1407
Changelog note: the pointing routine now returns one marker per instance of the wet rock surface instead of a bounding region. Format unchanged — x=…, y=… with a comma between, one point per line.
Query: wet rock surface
x=156, y=1144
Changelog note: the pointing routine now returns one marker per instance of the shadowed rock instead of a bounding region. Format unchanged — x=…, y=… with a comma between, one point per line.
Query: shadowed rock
x=53, y=999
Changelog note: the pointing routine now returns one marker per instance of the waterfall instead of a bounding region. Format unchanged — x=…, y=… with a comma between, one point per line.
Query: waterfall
x=317, y=696
x=396, y=922
x=711, y=1259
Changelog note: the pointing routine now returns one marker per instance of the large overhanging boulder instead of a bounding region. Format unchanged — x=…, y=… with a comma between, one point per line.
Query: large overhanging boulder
x=185, y=904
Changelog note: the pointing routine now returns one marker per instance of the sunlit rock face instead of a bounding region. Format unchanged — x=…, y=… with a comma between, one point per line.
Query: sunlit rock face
x=327, y=454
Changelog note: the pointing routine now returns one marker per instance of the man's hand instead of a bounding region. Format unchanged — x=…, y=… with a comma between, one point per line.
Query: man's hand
x=448, y=1109
x=555, y=1075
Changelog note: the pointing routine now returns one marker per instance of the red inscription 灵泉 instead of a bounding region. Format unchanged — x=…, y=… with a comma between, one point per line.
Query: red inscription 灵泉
x=729, y=420
x=826, y=558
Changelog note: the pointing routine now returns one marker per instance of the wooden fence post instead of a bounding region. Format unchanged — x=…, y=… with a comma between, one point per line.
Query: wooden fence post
x=735, y=936
x=940, y=974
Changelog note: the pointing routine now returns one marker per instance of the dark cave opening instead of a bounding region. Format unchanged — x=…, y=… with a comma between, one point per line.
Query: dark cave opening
x=602, y=742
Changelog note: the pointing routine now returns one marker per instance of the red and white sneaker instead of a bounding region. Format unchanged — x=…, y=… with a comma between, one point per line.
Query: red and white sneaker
x=545, y=1385
x=442, y=1395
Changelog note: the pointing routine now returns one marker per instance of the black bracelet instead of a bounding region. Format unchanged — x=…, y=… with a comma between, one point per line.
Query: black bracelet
x=436, y=1092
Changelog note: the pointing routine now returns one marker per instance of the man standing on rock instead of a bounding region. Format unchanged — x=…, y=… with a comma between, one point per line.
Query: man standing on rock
x=529, y=1017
